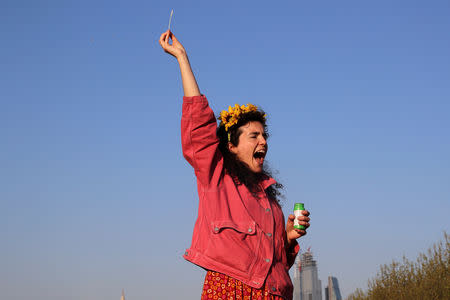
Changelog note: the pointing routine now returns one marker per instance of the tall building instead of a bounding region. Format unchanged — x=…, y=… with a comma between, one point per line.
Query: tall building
x=296, y=279
x=332, y=291
x=123, y=295
x=307, y=285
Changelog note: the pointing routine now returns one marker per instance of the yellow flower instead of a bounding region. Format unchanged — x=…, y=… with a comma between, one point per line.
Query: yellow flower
x=231, y=117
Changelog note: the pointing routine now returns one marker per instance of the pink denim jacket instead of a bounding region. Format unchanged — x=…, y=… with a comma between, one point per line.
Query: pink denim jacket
x=235, y=233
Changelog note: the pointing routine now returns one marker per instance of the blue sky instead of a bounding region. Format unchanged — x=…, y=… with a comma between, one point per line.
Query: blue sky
x=95, y=194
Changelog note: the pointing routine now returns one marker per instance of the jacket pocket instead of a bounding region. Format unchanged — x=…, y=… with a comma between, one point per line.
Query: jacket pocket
x=248, y=228
x=234, y=245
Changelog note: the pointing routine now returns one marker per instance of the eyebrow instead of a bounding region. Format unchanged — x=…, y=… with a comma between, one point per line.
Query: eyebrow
x=257, y=132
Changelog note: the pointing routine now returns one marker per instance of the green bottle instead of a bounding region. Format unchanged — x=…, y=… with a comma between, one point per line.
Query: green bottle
x=298, y=208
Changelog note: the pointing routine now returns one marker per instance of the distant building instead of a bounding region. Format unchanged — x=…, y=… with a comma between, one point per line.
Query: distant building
x=332, y=291
x=123, y=295
x=307, y=285
x=296, y=279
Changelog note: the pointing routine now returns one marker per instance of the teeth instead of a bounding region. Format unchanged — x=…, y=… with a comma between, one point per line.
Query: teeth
x=260, y=154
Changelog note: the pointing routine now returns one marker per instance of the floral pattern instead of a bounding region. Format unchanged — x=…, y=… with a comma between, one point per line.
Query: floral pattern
x=218, y=286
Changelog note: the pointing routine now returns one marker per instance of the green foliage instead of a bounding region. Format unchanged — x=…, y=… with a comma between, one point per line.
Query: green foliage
x=428, y=278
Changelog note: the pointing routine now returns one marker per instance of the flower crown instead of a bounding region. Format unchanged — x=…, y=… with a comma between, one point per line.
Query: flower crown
x=231, y=117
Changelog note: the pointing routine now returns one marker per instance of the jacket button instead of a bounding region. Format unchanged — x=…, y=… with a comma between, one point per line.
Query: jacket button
x=274, y=289
x=267, y=260
x=250, y=230
x=186, y=253
x=269, y=234
x=216, y=229
x=267, y=209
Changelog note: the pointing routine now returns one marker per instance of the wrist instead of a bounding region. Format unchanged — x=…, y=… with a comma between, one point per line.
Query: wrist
x=291, y=243
x=182, y=58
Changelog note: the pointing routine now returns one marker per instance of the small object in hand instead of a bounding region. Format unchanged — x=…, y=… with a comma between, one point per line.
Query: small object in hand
x=170, y=18
x=298, y=208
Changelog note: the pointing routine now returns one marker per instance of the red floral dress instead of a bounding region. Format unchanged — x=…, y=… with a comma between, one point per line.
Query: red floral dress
x=218, y=286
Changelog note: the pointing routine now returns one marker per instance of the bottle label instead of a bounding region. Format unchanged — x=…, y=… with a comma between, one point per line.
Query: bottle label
x=298, y=213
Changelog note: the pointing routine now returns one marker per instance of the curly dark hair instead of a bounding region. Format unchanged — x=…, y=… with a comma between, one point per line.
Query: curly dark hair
x=238, y=170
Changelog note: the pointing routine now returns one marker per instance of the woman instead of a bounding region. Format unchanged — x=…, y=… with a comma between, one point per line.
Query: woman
x=239, y=236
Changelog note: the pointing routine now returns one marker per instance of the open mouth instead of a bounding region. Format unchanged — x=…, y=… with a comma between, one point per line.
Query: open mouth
x=259, y=156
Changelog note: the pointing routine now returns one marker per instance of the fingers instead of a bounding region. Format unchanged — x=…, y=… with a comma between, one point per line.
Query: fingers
x=166, y=37
x=163, y=35
x=166, y=40
x=162, y=39
x=172, y=36
x=304, y=220
x=304, y=223
x=298, y=233
x=295, y=233
x=301, y=232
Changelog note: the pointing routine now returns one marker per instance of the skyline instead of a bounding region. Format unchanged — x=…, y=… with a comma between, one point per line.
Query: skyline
x=95, y=195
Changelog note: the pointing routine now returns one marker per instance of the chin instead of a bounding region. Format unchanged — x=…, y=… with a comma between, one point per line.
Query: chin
x=257, y=170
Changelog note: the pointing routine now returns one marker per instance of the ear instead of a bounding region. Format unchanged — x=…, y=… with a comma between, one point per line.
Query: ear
x=232, y=148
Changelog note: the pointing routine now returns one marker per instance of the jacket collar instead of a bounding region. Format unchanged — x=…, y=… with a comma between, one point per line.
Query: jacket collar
x=268, y=181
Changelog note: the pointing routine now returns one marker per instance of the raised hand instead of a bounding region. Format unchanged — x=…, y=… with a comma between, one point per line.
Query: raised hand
x=175, y=49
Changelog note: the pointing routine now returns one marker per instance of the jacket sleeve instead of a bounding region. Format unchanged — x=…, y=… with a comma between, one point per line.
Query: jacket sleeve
x=291, y=253
x=199, y=139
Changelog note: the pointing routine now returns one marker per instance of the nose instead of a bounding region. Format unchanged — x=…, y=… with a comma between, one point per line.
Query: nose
x=262, y=140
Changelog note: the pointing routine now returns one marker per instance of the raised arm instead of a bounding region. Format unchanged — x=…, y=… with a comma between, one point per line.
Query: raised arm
x=198, y=123
x=177, y=50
